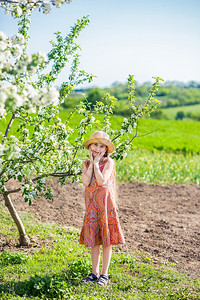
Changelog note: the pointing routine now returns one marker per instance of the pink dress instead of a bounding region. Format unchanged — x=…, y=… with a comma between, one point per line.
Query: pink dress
x=101, y=222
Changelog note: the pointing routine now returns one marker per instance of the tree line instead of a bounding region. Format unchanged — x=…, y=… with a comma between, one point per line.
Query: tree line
x=170, y=94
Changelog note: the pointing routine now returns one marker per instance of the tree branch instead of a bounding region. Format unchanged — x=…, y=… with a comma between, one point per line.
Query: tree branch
x=136, y=132
x=8, y=127
x=64, y=174
x=148, y=133
x=3, y=170
x=116, y=137
x=59, y=174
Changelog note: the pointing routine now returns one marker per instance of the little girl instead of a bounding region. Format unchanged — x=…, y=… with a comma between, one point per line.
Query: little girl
x=101, y=223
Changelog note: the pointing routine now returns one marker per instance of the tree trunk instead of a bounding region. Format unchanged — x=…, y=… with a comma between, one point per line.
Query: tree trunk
x=23, y=238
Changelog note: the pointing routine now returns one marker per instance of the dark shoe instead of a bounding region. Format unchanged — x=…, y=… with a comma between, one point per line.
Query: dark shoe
x=90, y=278
x=103, y=280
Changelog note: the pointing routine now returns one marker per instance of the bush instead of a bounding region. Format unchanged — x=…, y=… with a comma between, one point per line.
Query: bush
x=180, y=115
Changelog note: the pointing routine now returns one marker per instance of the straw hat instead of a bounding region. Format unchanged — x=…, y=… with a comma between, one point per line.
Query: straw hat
x=102, y=138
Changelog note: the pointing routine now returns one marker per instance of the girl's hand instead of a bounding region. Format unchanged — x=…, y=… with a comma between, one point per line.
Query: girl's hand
x=91, y=156
x=98, y=157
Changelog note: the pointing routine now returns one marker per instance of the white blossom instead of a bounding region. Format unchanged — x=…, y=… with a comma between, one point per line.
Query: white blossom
x=82, y=130
x=2, y=147
x=31, y=110
x=83, y=121
x=58, y=3
x=16, y=10
x=92, y=119
x=19, y=100
x=3, y=37
x=15, y=153
x=10, y=172
x=63, y=126
x=40, y=113
x=81, y=111
x=54, y=95
x=49, y=96
x=125, y=120
x=22, y=188
x=3, y=45
x=30, y=151
x=32, y=194
x=17, y=51
x=18, y=39
x=4, y=56
x=7, y=11
x=46, y=140
x=43, y=180
x=42, y=97
x=19, y=11
x=23, y=1
x=11, y=94
x=2, y=111
x=31, y=92
x=25, y=130
x=43, y=56
x=46, y=8
x=52, y=138
x=130, y=129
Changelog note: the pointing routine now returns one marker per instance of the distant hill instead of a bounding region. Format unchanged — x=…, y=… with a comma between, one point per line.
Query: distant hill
x=170, y=94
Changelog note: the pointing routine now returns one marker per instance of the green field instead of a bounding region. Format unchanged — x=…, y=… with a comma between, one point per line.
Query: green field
x=169, y=135
x=171, y=112
x=55, y=271
x=168, y=155
x=176, y=136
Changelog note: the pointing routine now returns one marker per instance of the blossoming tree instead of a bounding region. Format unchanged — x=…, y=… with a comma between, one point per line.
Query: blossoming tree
x=35, y=142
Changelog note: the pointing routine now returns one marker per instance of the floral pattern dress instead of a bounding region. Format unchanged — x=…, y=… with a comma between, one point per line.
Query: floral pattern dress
x=101, y=222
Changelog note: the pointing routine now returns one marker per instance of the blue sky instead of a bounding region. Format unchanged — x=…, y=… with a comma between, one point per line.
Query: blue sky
x=141, y=37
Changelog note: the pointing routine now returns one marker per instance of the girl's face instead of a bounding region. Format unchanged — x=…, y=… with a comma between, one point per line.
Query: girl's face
x=97, y=148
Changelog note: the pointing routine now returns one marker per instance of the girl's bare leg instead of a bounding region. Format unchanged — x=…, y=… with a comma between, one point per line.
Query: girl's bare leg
x=95, y=254
x=106, y=257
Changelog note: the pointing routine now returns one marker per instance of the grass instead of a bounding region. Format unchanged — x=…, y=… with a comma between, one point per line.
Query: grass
x=55, y=271
x=159, y=167
x=171, y=112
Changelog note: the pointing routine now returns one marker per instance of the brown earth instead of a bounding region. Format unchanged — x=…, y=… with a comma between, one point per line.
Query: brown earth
x=158, y=219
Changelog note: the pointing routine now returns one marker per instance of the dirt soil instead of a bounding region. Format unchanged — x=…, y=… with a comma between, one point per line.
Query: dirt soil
x=158, y=219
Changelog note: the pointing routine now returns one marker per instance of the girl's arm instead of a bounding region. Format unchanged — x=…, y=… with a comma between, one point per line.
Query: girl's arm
x=87, y=174
x=102, y=177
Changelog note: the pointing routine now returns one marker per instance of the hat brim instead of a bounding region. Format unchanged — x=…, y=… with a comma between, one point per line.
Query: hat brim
x=109, y=144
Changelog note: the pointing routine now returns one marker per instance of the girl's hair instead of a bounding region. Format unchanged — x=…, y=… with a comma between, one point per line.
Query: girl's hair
x=115, y=188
